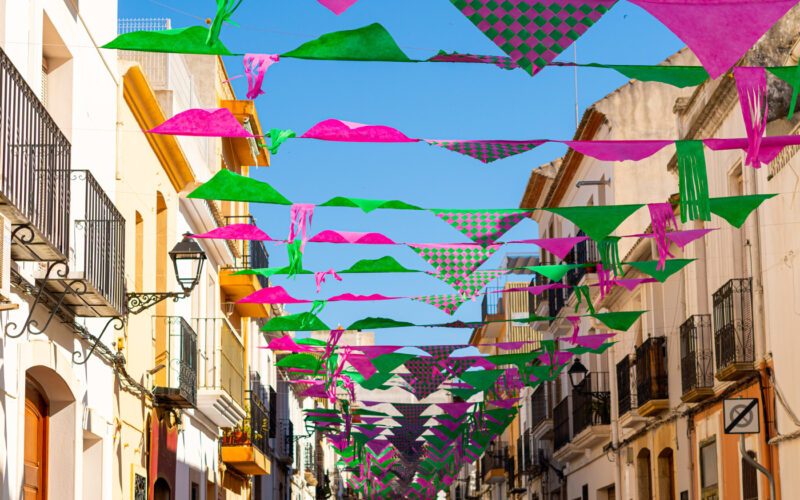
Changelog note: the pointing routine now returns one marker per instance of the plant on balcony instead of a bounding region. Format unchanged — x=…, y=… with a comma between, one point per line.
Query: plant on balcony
x=239, y=435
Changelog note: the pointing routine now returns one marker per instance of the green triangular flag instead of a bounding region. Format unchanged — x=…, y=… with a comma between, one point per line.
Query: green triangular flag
x=580, y=350
x=278, y=137
x=736, y=209
x=693, y=180
x=191, y=40
x=520, y=360
x=791, y=75
x=677, y=76
x=301, y=360
x=230, y=186
x=370, y=43
x=301, y=322
x=555, y=272
x=268, y=272
x=481, y=379
x=599, y=221
x=383, y=265
x=621, y=320
x=367, y=205
x=377, y=380
x=385, y=363
x=376, y=323
x=310, y=341
x=671, y=267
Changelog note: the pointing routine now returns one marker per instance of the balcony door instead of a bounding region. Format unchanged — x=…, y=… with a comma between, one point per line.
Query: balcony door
x=34, y=484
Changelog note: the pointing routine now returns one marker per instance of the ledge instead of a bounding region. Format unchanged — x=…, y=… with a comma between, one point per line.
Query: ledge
x=653, y=406
x=735, y=371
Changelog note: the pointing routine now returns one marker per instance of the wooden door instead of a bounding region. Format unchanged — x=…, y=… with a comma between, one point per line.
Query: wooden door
x=34, y=484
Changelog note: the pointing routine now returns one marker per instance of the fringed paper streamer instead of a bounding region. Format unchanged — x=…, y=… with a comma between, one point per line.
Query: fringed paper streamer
x=319, y=277
x=752, y=86
x=582, y=292
x=301, y=215
x=693, y=181
x=225, y=9
x=278, y=137
x=609, y=254
x=604, y=282
x=576, y=327
x=295, y=258
x=255, y=67
x=662, y=218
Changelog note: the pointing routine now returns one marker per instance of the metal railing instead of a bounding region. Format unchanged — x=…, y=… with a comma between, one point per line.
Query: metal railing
x=697, y=369
x=591, y=402
x=534, y=300
x=541, y=407
x=733, y=323
x=651, y=370
x=103, y=244
x=35, y=159
x=496, y=457
x=259, y=413
x=626, y=386
x=284, y=441
x=561, y=430
x=556, y=298
x=252, y=254
x=178, y=383
x=492, y=302
x=222, y=357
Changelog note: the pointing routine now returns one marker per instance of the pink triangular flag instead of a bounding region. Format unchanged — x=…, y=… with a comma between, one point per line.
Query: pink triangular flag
x=337, y=6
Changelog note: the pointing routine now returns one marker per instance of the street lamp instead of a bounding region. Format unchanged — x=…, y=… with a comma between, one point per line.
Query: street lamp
x=187, y=259
x=577, y=373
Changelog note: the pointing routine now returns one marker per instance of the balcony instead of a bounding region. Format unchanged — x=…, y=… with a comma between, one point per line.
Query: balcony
x=246, y=255
x=626, y=393
x=734, y=341
x=561, y=429
x=35, y=159
x=591, y=411
x=697, y=369
x=284, y=441
x=556, y=299
x=651, y=376
x=175, y=385
x=492, y=310
x=494, y=463
x=221, y=391
x=584, y=253
x=245, y=448
x=542, y=411
x=540, y=458
x=98, y=258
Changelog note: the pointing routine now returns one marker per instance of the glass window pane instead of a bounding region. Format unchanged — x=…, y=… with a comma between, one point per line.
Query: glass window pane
x=708, y=463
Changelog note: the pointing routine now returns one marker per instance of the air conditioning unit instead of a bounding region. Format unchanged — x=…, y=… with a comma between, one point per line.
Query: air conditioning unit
x=5, y=259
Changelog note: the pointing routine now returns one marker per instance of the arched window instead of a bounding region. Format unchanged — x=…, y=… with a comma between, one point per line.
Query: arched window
x=643, y=482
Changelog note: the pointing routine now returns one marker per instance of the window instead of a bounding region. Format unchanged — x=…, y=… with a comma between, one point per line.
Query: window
x=749, y=479
x=195, y=491
x=708, y=471
x=585, y=492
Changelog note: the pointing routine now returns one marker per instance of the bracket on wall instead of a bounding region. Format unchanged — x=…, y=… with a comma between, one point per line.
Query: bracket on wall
x=138, y=302
x=72, y=287
x=120, y=324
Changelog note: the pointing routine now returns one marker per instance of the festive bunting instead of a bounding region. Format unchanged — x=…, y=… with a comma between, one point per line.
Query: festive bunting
x=191, y=40
x=337, y=6
x=486, y=151
x=447, y=303
x=368, y=206
x=532, y=32
x=230, y=186
x=454, y=260
x=370, y=43
x=484, y=227
x=598, y=221
x=204, y=123
x=752, y=86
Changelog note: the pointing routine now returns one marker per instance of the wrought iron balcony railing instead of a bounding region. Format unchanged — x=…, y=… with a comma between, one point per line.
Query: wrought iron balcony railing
x=651, y=370
x=626, y=386
x=259, y=413
x=496, y=457
x=176, y=348
x=541, y=404
x=35, y=159
x=734, y=341
x=251, y=254
x=697, y=368
x=561, y=429
x=99, y=247
x=591, y=402
x=492, y=302
x=284, y=441
x=222, y=358
x=556, y=298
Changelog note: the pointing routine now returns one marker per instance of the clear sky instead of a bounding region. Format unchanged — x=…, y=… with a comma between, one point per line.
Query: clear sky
x=436, y=101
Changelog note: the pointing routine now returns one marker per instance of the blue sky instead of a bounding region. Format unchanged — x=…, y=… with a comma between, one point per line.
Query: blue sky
x=437, y=101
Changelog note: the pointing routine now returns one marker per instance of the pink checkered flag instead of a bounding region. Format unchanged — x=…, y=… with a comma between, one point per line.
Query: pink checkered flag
x=454, y=260
x=447, y=303
x=484, y=227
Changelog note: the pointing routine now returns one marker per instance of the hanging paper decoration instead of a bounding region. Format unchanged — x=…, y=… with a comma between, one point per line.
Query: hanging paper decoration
x=301, y=214
x=368, y=206
x=718, y=32
x=500, y=62
x=677, y=76
x=661, y=218
x=791, y=75
x=447, y=303
x=370, y=43
x=330, y=236
x=532, y=32
x=230, y=186
x=255, y=67
x=337, y=6
x=191, y=40
x=203, y=123
x=693, y=181
x=661, y=273
x=342, y=131
x=752, y=86
x=484, y=227
x=618, y=150
x=598, y=221
x=609, y=254
x=454, y=260
x=319, y=277
x=278, y=137
x=487, y=151
x=735, y=209
x=469, y=286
